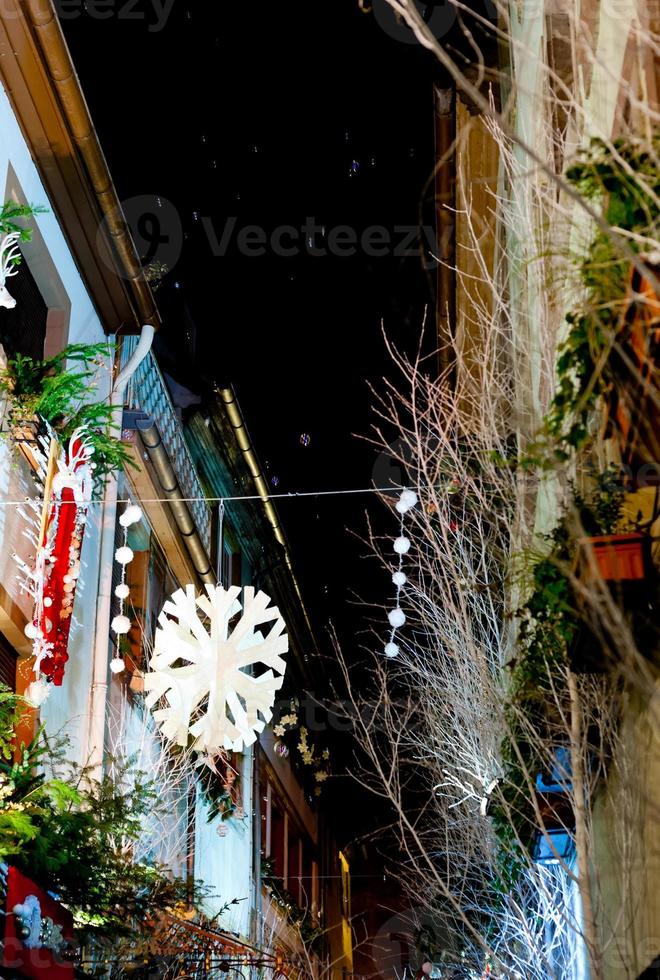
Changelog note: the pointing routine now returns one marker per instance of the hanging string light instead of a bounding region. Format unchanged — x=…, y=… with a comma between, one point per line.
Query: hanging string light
x=396, y=616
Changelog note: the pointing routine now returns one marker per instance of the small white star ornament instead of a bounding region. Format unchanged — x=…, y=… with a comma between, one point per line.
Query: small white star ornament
x=199, y=684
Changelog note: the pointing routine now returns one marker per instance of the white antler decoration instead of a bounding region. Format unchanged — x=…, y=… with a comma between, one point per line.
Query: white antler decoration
x=9, y=252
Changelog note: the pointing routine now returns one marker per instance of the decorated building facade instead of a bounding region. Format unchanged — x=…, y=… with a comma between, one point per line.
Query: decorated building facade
x=532, y=165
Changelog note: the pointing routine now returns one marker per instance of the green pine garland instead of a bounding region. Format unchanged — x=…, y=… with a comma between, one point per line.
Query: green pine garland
x=9, y=216
x=63, y=397
x=73, y=835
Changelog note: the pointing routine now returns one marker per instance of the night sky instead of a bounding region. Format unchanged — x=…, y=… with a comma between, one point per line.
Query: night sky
x=273, y=114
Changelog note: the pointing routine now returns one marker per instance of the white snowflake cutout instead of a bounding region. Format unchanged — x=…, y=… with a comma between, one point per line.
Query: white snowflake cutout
x=200, y=667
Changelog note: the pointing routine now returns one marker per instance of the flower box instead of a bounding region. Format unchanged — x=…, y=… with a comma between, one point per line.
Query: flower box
x=25, y=430
x=23, y=427
x=622, y=558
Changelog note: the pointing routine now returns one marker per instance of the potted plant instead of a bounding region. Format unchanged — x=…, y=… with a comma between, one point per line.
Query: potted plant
x=24, y=427
x=40, y=391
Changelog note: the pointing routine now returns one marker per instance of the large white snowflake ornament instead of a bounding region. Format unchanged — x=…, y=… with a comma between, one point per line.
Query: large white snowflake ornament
x=200, y=667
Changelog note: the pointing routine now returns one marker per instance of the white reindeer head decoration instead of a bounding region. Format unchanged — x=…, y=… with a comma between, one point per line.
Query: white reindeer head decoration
x=9, y=253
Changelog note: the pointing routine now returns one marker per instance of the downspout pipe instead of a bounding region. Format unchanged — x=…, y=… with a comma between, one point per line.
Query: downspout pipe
x=99, y=693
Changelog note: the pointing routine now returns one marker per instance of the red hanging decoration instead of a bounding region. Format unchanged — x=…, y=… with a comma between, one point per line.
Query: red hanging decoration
x=67, y=490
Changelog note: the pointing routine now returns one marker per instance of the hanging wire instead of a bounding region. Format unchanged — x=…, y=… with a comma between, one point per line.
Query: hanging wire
x=223, y=500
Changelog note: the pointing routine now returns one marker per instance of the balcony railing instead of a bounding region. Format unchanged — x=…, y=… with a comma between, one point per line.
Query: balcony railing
x=147, y=392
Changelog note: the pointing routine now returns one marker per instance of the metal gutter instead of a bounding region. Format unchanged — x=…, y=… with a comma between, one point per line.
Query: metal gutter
x=64, y=80
x=235, y=416
x=150, y=436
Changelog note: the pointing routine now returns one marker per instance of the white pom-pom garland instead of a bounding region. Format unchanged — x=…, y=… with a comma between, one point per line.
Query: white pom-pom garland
x=131, y=515
x=124, y=555
x=120, y=624
x=402, y=545
x=117, y=665
x=406, y=501
x=397, y=617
